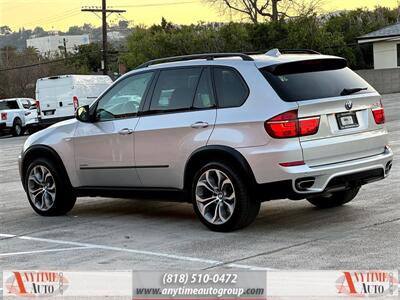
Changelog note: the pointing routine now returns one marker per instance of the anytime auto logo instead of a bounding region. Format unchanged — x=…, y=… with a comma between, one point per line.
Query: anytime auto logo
x=368, y=283
x=36, y=284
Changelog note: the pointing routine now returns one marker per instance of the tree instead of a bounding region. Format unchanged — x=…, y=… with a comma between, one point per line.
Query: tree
x=123, y=24
x=87, y=58
x=74, y=30
x=39, y=31
x=273, y=10
x=4, y=30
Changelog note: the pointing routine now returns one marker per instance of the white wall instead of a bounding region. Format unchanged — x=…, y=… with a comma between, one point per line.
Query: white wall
x=49, y=45
x=385, y=55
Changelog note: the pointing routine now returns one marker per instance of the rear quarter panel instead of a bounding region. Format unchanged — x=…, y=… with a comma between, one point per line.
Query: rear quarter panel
x=241, y=127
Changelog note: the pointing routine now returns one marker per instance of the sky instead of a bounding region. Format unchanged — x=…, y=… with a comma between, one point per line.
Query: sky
x=60, y=14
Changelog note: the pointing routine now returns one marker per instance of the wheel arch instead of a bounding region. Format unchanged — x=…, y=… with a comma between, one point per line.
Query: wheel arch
x=37, y=151
x=216, y=152
x=16, y=117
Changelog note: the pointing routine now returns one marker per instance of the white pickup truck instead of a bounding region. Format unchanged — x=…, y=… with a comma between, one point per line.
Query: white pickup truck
x=18, y=115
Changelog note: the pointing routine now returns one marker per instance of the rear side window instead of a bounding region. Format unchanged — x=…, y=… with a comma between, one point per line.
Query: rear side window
x=313, y=81
x=175, y=89
x=8, y=105
x=231, y=90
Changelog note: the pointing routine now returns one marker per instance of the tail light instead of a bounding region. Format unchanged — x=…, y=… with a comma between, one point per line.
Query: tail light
x=3, y=116
x=75, y=101
x=38, y=106
x=379, y=114
x=288, y=125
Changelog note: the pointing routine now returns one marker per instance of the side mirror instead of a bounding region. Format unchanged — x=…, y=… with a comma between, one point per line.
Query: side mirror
x=82, y=114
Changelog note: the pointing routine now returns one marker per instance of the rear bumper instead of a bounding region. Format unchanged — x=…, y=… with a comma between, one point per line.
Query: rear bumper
x=300, y=181
x=3, y=126
x=321, y=177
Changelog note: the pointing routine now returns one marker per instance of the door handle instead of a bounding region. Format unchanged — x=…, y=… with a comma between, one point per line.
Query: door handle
x=199, y=124
x=125, y=131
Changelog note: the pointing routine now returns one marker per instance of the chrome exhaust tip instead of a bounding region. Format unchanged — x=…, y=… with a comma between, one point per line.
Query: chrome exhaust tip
x=303, y=184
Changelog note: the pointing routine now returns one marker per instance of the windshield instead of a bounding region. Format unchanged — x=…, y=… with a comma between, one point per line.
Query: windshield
x=315, y=84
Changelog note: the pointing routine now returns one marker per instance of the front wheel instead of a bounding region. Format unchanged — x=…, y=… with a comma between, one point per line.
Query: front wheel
x=221, y=199
x=48, y=192
x=334, y=199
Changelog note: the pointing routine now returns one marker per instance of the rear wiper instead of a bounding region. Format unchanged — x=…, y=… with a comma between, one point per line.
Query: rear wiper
x=352, y=91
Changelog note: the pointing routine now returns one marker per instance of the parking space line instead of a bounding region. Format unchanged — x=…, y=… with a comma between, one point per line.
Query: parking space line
x=43, y=251
x=215, y=263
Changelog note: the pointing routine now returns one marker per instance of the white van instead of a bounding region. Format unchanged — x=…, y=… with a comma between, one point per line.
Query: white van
x=59, y=96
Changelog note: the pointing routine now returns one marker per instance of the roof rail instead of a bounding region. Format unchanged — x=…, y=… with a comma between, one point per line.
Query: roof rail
x=207, y=56
x=298, y=51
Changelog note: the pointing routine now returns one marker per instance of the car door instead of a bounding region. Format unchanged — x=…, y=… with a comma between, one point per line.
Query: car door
x=104, y=149
x=178, y=119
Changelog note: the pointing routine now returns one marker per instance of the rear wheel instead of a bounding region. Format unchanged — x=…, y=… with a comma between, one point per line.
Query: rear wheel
x=334, y=199
x=48, y=192
x=17, y=129
x=221, y=199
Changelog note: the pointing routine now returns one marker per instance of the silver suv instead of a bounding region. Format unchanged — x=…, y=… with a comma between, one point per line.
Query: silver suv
x=224, y=131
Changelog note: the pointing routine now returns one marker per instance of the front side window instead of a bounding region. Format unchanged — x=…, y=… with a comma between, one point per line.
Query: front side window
x=25, y=104
x=124, y=99
x=230, y=87
x=175, y=89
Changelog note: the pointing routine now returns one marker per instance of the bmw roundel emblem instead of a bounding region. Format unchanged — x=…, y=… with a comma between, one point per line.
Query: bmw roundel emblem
x=348, y=105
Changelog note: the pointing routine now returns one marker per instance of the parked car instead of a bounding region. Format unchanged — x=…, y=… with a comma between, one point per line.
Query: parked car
x=225, y=131
x=18, y=115
x=59, y=96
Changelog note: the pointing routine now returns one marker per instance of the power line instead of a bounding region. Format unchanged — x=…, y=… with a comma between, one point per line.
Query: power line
x=158, y=4
x=45, y=19
x=48, y=62
x=35, y=65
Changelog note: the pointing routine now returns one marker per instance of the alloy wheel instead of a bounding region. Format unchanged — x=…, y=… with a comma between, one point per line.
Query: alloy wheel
x=41, y=188
x=215, y=196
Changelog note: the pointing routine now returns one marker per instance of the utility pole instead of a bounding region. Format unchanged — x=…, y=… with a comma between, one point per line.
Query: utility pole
x=65, y=47
x=104, y=11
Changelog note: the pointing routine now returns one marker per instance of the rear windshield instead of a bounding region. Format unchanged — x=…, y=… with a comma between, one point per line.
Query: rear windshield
x=4, y=105
x=313, y=82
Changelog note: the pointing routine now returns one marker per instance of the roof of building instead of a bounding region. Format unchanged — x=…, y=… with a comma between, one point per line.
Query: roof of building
x=388, y=31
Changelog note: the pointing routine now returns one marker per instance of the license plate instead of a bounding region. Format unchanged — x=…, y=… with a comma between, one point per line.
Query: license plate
x=48, y=113
x=347, y=120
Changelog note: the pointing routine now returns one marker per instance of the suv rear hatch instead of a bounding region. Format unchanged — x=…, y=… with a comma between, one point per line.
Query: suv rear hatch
x=350, y=112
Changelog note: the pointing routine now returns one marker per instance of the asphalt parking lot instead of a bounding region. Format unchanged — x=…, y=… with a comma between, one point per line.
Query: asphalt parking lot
x=116, y=234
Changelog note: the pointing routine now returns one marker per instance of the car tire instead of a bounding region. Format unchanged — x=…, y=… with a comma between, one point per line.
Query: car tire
x=221, y=198
x=334, y=199
x=48, y=189
x=17, y=129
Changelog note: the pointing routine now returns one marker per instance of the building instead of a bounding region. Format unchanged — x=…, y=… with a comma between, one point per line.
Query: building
x=386, y=44
x=54, y=44
x=116, y=36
